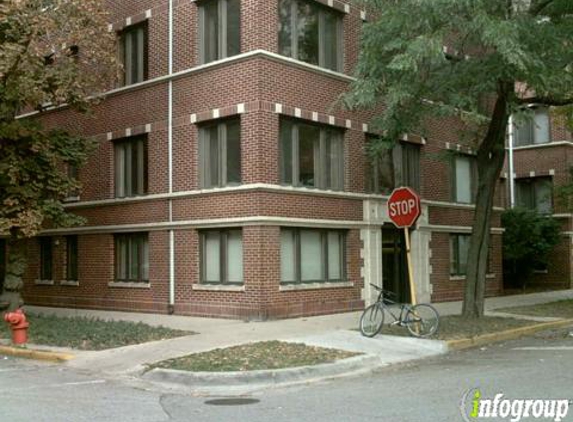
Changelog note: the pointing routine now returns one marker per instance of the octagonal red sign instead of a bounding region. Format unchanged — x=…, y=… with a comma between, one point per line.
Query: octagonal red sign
x=404, y=207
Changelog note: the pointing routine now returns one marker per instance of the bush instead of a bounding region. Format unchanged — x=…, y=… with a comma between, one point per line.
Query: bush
x=528, y=239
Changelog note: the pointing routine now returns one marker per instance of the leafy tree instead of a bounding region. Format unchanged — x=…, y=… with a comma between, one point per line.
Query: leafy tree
x=528, y=239
x=501, y=55
x=52, y=53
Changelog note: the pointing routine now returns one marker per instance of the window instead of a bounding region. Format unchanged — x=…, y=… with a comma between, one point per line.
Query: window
x=132, y=257
x=311, y=156
x=392, y=167
x=71, y=258
x=535, y=130
x=46, y=255
x=220, y=29
x=459, y=248
x=312, y=255
x=131, y=167
x=133, y=53
x=311, y=33
x=73, y=174
x=535, y=193
x=220, y=154
x=222, y=256
x=464, y=179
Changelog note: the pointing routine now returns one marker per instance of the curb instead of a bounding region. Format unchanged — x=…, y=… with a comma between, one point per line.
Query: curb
x=36, y=354
x=511, y=334
x=273, y=377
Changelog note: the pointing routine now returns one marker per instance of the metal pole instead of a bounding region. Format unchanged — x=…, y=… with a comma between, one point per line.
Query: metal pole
x=409, y=260
x=510, y=148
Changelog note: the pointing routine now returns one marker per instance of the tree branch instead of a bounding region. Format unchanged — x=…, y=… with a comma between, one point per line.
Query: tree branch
x=538, y=8
x=549, y=101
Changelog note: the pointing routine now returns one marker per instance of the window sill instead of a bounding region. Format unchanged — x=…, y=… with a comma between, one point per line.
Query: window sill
x=218, y=287
x=44, y=282
x=130, y=285
x=540, y=271
x=75, y=198
x=72, y=283
x=313, y=286
x=463, y=277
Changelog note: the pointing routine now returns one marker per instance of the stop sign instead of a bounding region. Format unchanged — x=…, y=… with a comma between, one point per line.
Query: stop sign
x=404, y=207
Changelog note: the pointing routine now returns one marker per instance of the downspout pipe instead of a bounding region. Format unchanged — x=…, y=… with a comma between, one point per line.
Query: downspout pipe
x=511, y=139
x=171, y=304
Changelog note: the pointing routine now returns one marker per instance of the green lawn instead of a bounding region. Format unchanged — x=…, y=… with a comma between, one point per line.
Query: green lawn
x=559, y=309
x=89, y=333
x=453, y=327
x=255, y=356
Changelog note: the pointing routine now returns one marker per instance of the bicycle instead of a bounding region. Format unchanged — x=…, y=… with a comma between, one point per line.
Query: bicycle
x=421, y=320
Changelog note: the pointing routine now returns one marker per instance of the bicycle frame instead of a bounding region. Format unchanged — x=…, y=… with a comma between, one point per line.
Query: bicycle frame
x=386, y=303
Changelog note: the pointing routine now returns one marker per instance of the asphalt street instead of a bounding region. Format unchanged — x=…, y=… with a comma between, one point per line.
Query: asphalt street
x=427, y=390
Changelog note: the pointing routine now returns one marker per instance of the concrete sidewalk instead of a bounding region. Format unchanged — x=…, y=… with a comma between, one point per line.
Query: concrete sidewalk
x=217, y=333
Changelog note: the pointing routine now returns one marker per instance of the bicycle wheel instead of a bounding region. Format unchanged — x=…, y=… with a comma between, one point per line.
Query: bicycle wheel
x=422, y=320
x=371, y=320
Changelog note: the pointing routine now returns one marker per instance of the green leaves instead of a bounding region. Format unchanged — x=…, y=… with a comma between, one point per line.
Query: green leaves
x=403, y=65
x=33, y=176
x=38, y=66
x=528, y=239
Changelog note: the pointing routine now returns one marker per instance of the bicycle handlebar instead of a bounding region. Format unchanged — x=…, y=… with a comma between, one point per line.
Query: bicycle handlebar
x=386, y=292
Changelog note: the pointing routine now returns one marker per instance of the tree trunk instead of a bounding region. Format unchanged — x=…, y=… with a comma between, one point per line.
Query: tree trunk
x=490, y=160
x=11, y=297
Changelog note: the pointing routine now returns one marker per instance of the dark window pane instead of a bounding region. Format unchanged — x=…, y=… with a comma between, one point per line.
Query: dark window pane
x=72, y=257
x=46, y=258
x=384, y=171
x=134, y=53
x=233, y=27
x=214, y=156
x=411, y=166
x=131, y=167
x=330, y=41
x=210, y=31
x=233, y=152
x=543, y=195
x=285, y=28
x=309, y=138
x=333, y=163
x=286, y=140
x=132, y=257
x=307, y=31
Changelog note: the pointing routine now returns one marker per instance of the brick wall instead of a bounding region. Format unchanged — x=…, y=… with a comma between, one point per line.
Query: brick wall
x=257, y=82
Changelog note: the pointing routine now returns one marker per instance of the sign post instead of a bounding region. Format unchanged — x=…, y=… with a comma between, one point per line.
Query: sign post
x=404, y=209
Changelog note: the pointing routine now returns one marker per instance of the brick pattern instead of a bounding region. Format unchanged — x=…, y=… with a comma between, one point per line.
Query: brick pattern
x=258, y=89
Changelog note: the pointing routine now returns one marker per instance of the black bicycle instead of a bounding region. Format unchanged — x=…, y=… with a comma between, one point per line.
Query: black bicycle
x=421, y=320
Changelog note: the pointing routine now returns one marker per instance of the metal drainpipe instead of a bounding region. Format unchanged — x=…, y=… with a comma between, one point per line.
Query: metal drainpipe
x=511, y=172
x=171, y=305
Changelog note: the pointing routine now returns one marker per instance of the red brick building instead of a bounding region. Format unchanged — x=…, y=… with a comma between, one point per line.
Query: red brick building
x=228, y=183
x=542, y=159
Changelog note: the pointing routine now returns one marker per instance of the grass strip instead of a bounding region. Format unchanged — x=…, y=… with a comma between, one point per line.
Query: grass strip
x=85, y=333
x=558, y=309
x=255, y=356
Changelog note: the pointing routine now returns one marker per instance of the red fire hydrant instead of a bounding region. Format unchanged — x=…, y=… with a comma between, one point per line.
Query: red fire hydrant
x=19, y=326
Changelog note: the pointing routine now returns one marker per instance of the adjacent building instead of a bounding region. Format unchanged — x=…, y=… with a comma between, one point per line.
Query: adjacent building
x=542, y=158
x=227, y=182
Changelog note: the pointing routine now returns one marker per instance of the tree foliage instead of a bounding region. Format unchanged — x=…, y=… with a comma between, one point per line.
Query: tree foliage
x=478, y=61
x=52, y=53
x=528, y=239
